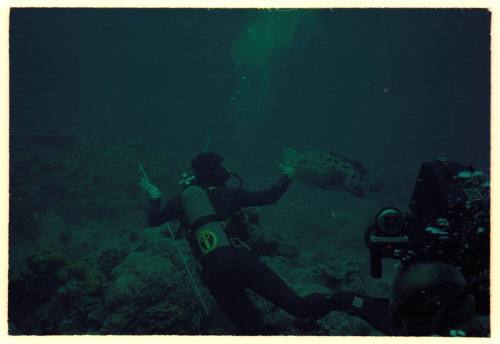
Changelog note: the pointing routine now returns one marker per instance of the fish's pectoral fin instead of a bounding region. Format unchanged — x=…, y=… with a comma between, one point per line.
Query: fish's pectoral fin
x=356, y=191
x=360, y=167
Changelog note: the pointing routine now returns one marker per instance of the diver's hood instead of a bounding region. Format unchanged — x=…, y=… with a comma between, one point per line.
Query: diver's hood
x=217, y=177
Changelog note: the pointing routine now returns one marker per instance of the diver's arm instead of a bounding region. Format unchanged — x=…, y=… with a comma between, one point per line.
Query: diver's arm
x=246, y=198
x=158, y=215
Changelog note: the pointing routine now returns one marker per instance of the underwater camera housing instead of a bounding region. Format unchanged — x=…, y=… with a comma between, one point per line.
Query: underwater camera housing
x=386, y=238
x=447, y=221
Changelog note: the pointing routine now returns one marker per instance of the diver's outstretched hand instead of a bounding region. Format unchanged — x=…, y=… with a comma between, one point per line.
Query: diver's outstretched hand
x=289, y=164
x=151, y=189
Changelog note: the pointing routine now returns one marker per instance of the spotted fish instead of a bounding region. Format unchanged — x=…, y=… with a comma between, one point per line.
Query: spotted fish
x=330, y=171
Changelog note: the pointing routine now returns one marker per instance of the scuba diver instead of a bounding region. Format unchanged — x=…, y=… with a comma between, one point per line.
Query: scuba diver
x=229, y=266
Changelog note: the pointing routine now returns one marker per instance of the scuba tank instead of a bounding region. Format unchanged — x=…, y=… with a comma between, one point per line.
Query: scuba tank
x=204, y=223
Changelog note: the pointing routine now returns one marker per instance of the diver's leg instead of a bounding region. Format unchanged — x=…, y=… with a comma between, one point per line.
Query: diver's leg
x=235, y=304
x=266, y=283
x=374, y=310
x=314, y=306
x=271, y=287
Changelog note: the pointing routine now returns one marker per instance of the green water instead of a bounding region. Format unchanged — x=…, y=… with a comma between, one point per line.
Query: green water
x=94, y=92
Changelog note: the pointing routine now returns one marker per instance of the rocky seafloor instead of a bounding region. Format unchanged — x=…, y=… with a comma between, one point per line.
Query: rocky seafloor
x=83, y=261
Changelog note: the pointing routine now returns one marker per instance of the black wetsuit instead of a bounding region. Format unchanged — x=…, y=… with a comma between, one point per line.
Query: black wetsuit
x=229, y=271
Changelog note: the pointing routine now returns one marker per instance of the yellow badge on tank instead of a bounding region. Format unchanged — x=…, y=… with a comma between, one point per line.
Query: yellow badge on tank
x=207, y=240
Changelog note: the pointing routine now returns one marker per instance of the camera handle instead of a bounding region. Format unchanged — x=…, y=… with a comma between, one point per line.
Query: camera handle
x=375, y=264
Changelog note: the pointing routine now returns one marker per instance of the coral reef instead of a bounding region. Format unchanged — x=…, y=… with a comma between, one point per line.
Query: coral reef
x=108, y=259
x=82, y=260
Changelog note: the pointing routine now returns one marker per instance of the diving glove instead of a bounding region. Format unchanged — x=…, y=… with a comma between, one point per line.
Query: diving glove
x=151, y=189
x=288, y=166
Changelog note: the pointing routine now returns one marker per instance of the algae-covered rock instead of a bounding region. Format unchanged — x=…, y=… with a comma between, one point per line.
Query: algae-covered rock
x=86, y=278
x=141, y=278
x=150, y=295
x=57, y=295
x=46, y=263
x=108, y=259
x=262, y=241
x=330, y=171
